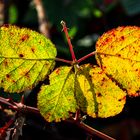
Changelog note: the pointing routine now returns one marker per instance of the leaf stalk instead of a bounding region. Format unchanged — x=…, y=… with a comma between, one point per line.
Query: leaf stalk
x=65, y=29
x=86, y=56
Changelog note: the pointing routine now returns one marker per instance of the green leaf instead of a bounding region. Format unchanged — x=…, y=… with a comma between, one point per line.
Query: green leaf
x=56, y=100
x=96, y=94
x=26, y=57
x=118, y=54
x=13, y=14
x=90, y=89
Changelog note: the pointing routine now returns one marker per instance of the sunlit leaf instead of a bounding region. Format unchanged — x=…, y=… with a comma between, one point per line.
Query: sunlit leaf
x=119, y=56
x=26, y=57
x=56, y=101
x=96, y=94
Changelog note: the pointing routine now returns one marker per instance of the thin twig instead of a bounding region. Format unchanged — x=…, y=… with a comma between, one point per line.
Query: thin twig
x=9, y=123
x=4, y=129
x=79, y=123
x=93, y=131
x=89, y=130
x=42, y=19
x=19, y=107
x=5, y=101
x=65, y=29
x=1, y=12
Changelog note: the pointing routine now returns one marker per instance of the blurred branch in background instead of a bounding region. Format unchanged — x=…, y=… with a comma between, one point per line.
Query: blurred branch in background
x=1, y=12
x=42, y=19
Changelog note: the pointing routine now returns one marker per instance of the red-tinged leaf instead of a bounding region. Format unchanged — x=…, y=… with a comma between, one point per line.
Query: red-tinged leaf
x=26, y=57
x=96, y=94
x=118, y=54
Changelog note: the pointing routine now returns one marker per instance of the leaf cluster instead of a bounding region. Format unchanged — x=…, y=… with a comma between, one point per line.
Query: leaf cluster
x=27, y=57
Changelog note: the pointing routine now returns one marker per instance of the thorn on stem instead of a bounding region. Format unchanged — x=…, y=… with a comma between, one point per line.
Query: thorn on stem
x=22, y=99
x=77, y=115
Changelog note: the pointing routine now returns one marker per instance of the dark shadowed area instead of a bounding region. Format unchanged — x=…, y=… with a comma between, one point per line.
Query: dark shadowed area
x=87, y=20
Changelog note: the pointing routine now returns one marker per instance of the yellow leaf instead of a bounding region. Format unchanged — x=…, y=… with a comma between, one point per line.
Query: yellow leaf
x=26, y=57
x=118, y=54
x=97, y=94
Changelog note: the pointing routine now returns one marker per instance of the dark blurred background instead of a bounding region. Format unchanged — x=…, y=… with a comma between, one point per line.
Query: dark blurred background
x=87, y=20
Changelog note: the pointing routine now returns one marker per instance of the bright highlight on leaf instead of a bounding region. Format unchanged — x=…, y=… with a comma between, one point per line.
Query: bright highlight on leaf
x=26, y=57
x=119, y=56
x=96, y=94
x=56, y=101
x=90, y=89
x=97, y=91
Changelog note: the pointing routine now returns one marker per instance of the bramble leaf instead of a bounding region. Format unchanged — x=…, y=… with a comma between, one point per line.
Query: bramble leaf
x=118, y=54
x=96, y=94
x=90, y=90
x=26, y=57
x=56, y=101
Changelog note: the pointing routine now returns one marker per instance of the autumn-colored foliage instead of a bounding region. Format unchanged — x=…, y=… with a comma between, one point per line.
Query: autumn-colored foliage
x=119, y=56
x=27, y=57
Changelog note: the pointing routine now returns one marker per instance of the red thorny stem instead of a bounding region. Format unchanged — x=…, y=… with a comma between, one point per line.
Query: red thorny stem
x=65, y=29
x=5, y=127
x=93, y=131
x=89, y=130
x=19, y=106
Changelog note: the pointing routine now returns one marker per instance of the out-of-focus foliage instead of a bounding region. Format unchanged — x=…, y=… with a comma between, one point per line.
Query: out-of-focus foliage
x=131, y=7
x=56, y=10
x=13, y=14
